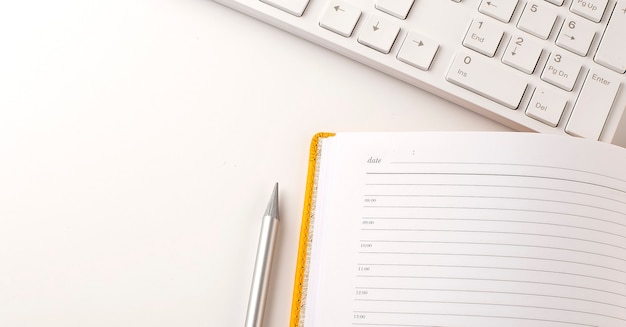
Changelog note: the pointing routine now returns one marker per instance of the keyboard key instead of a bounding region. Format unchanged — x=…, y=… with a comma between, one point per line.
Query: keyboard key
x=538, y=19
x=547, y=107
x=340, y=17
x=611, y=52
x=495, y=82
x=501, y=10
x=294, y=7
x=576, y=36
x=590, y=9
x=379, y=34
x=522, y=53
x=561, y=70
x=397, y=8
x=594, y=104
x=483, y=36
x=418, y=51
x=556, y=2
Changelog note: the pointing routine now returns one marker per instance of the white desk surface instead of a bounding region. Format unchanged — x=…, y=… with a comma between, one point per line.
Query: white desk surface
x=139, y=142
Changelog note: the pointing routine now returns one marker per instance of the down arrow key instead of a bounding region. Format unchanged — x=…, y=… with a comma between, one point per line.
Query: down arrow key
x=381, y=36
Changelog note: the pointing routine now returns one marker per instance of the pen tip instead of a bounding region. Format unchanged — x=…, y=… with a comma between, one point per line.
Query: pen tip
x=272, y=205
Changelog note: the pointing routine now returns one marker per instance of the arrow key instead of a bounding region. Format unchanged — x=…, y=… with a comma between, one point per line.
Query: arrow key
x=501, y=10
x=379, y=34
x=418, y=51
x=522, y=53
x=340, y=17
x=397, y=8
x=576, y=36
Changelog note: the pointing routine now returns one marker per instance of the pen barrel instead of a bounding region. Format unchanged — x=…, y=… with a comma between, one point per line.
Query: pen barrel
x=262, y=268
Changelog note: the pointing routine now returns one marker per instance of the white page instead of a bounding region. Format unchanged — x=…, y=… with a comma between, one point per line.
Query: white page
x=469, y=229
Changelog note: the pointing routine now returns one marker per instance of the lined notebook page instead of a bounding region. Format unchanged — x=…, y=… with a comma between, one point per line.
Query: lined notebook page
x=468, y=229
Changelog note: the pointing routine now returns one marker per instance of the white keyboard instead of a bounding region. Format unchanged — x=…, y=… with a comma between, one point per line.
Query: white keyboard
x=551, y=66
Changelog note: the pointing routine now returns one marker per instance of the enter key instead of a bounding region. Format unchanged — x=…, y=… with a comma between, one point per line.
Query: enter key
x=594, y=104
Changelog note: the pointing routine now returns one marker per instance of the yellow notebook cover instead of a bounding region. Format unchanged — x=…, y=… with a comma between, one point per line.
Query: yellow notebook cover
x=303, y=245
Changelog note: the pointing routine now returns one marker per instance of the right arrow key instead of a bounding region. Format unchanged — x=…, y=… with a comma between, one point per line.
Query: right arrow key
x=418, y=51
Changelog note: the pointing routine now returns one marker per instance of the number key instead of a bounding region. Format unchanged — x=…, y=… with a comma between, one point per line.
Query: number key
x=556, y=2
x=576, y=36
x=483, y=36
x=493, y=81
x=522, y=53
x=561, y=70
x=538, y=19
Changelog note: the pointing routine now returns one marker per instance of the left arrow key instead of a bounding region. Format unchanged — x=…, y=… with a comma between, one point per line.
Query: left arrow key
x=340, y=17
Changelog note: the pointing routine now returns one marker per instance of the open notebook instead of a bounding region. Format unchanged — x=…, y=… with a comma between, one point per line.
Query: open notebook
x=462, y=229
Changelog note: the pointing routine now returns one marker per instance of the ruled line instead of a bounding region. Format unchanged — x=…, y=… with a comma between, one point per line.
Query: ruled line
x=488, y=232
x=497, y=244
x=510, y=164
x=497, y=220
x=502, y=175
x=498, y=186
x=508, y=209
x=488, y=292
x=493, y=280
x=494, y=304
x=491, y=256
x=474, y=316
x=492, y=197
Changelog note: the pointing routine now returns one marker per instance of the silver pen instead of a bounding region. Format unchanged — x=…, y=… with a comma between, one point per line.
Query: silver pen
x=262, y=266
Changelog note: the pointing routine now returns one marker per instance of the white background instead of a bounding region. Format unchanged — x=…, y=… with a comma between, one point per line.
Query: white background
x=139, y=143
